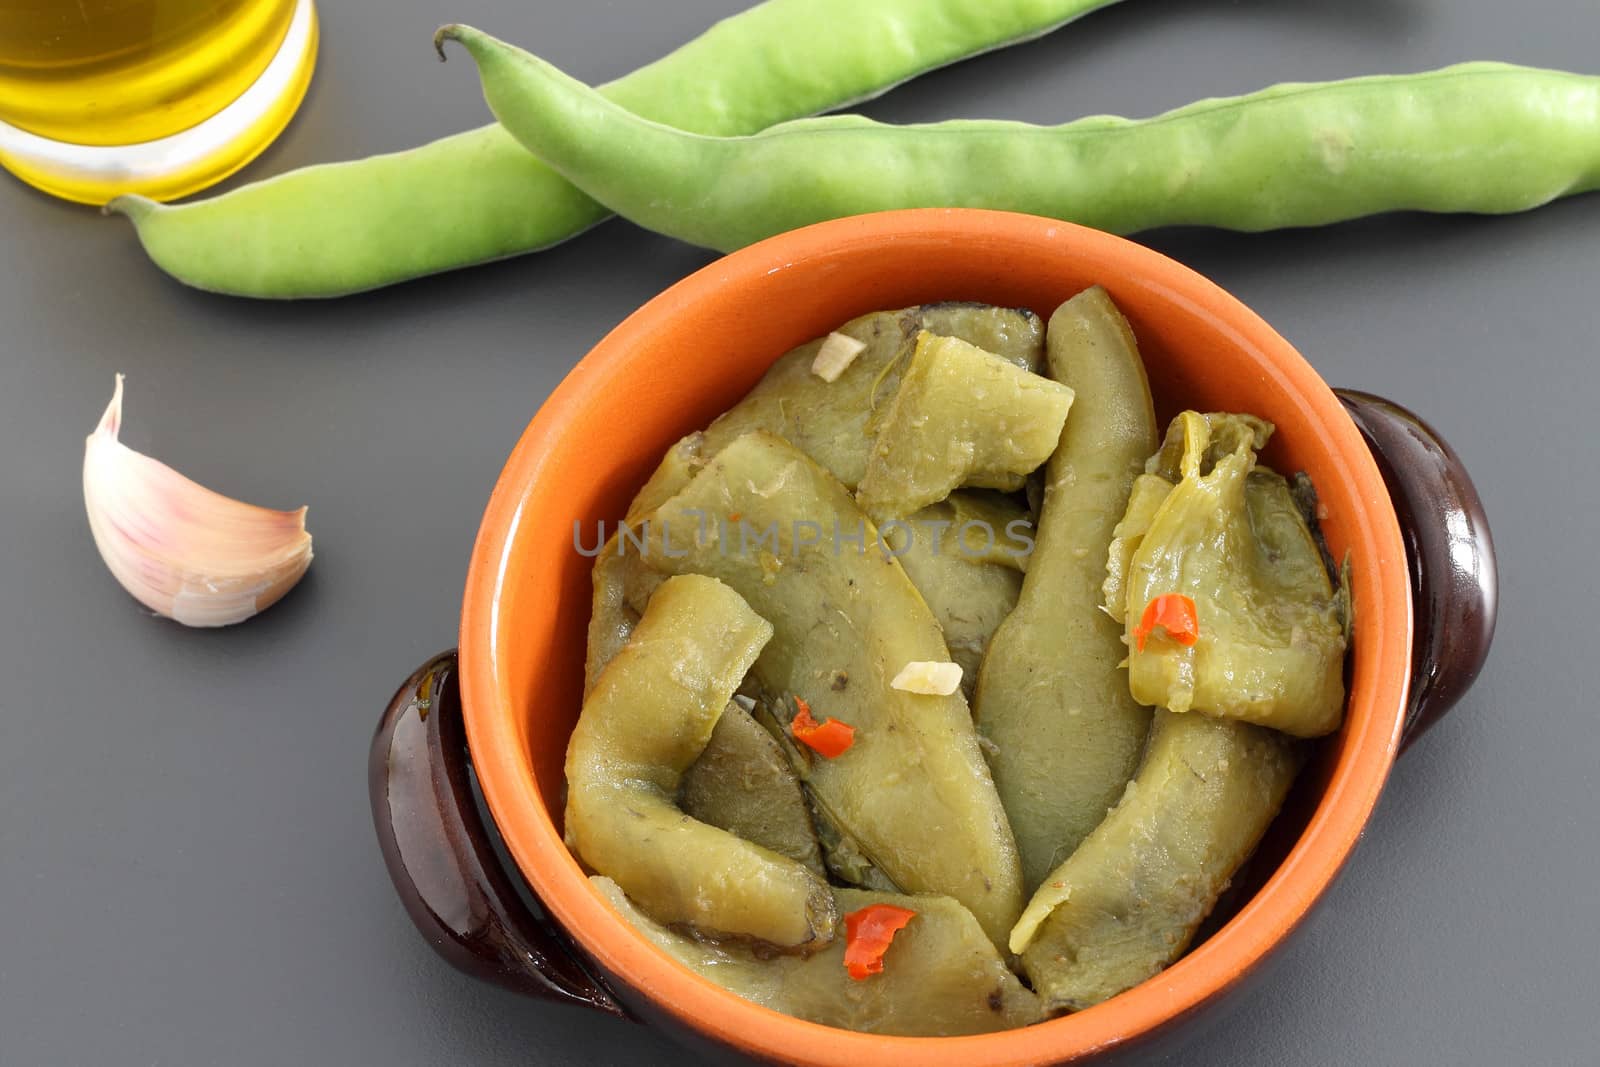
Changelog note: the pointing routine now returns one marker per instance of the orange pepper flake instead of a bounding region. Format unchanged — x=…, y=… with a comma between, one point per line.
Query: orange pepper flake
x=867, y=935
x=734, y=516
x=1174, y=613
x=829, y=738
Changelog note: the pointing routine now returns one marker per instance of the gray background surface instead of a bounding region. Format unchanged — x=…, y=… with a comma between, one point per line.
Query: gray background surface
x=187, y=870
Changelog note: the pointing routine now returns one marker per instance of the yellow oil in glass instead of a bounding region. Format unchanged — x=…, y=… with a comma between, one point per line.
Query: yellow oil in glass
x=128, y=72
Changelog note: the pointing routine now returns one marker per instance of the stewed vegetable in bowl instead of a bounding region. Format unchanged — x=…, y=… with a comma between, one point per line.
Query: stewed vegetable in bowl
x=757, y=586
x=853, y=659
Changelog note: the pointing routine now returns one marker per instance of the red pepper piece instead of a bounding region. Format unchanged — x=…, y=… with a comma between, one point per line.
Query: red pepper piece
x=867, y=935
x=828, y=738
x=1174, y=613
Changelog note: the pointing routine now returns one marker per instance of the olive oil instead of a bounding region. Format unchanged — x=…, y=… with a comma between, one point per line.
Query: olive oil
x=108, y=72
x=85, y=83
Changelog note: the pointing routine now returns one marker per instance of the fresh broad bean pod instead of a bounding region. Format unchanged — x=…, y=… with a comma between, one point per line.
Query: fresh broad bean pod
x=479, y=196
x=1479, y=137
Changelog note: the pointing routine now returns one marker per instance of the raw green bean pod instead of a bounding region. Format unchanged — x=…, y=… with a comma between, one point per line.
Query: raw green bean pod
x=479, y=196
x=1488, y=138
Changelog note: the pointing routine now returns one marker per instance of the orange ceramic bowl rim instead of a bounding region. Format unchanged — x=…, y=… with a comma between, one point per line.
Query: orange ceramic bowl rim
x=496, y=714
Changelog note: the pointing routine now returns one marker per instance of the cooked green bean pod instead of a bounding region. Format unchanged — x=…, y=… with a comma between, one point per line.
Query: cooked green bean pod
x=622, y=583
x=964, y=554
x=611, y=618
x=1268, y=645
x=743, y=783
x=1479, y=137
x=1064, y=732
x=913, y=790
x=965, y=558
x=682, y=461
x=844, y=857
x=833, y=422
x=1129, y=900
x=1016, y=335
x=1163, y=470
x=479, y=196
x=976, y=526
x=961, y=416
x=941, y=976
x=648, y=718
x=622, y=586
x=1149, y=490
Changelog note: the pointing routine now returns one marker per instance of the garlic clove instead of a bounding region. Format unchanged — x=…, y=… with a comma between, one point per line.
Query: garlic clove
x=179, y=548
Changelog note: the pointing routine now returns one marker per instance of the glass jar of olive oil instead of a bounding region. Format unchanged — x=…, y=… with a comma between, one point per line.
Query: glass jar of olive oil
x=160, y=97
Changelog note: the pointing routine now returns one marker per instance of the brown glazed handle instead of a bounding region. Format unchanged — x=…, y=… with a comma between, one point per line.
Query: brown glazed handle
x=1449, y=552
x=438, y=853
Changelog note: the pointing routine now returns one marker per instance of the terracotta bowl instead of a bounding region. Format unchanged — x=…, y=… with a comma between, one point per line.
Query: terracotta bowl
x=1394, y=498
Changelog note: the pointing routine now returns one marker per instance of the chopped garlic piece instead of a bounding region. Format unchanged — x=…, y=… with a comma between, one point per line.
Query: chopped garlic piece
x=837, y=352
x=931, y=679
